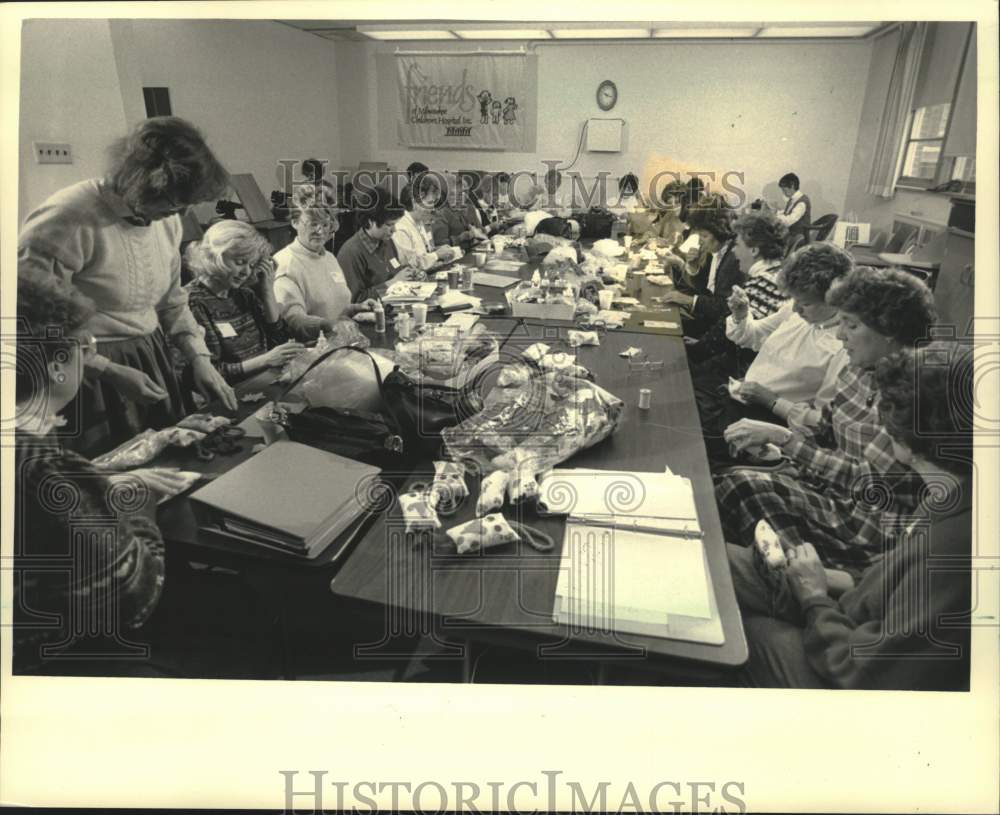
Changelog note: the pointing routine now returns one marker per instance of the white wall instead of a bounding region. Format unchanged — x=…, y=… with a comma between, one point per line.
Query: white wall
x=69, y=93
x=259, y=91
x=760, y=108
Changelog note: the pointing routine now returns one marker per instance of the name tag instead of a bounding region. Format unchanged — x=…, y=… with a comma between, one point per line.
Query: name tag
x=394, y=263
x=226, y=330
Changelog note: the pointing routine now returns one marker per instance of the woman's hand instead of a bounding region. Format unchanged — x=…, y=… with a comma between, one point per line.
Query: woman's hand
x=757, y=394
x=133, y=384
x=805, y=574
x=263, y=282
x=678, y=298
x=211, y=383
x=751, y=434
x=358, y=308
x=281, y=355
x=739, y=304
x=444, y=253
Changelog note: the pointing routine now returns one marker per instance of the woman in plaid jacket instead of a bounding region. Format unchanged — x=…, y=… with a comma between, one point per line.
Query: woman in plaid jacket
x=844, y=485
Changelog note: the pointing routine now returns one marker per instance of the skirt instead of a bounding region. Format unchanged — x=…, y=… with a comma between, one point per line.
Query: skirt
x=102, y=418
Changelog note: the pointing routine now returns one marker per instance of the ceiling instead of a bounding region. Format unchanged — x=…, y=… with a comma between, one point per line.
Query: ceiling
x=359, y=31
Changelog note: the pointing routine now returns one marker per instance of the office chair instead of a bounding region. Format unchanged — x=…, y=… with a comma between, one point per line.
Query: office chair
x=822, y=228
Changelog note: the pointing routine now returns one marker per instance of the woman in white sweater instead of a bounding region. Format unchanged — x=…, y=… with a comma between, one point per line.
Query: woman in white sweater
x=117, y=239
x=799, y=357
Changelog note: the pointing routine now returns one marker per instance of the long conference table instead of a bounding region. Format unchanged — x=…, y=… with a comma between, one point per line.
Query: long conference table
x=414, y=588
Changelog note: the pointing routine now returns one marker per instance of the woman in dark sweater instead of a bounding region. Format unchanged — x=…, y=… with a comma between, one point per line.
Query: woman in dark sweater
x=232, y=298
x=368, y=258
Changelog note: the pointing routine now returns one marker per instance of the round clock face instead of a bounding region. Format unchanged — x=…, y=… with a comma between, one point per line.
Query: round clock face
x=607, y=94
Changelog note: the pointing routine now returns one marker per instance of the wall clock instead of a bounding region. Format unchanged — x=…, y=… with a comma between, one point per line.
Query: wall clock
x=607, y=95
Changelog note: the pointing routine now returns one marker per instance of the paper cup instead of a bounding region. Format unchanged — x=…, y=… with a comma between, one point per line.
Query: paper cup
x=628, y=242
x=605, y=298
x=419, y=314
x=479, y=259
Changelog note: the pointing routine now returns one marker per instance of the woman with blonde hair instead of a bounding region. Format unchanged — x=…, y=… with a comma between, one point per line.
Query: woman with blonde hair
x=232, y=298
x=117, y=239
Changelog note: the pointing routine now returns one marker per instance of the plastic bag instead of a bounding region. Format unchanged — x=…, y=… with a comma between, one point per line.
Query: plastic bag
x=446, y=354
x=550, y=417
x=346, y=380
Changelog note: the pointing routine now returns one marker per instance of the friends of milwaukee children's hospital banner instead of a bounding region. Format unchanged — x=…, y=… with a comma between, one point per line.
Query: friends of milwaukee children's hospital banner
x=464, y=101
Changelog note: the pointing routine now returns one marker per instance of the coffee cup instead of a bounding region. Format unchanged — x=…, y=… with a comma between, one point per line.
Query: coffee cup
x=419, y=314
x=605, y=298
x=479, y=259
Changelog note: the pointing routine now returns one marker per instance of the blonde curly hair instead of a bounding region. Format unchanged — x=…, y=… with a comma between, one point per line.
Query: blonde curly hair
x=206, y=258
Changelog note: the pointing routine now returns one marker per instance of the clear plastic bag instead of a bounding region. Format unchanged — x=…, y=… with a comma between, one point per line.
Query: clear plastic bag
x=546, y=420
x=446, y=354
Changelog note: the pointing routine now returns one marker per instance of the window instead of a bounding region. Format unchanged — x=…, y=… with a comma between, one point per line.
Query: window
x=923, y=147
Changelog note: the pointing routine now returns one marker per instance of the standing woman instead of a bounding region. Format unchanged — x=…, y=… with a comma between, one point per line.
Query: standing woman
x=117, y=239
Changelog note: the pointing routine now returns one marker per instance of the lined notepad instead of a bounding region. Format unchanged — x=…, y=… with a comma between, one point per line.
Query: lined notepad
x=633, y=560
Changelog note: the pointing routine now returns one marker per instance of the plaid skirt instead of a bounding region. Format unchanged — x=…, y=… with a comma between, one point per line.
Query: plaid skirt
x=849, y=533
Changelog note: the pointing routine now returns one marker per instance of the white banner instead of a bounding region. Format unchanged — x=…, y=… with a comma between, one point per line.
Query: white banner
x=465, y=101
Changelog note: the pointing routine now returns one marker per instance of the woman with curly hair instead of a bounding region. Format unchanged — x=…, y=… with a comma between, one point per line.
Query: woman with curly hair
x=232, y=298
x=309, y=284
x=834, y=493
x=89, y=562
x=897, y=628
x=797, y=354
x=117, y=239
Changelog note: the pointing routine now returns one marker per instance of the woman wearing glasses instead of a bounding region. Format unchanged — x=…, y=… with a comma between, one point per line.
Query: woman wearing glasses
x=117, y=239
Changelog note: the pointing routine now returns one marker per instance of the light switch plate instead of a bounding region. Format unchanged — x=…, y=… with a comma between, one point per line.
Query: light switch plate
x=47, y=152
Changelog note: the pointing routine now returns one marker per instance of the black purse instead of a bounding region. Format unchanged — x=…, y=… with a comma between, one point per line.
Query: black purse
x=408, y=428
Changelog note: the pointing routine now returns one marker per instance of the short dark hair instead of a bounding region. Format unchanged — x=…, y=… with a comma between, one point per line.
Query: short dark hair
x=502, y=177
x=789, y=180
x=382, y=209
x=764, y=232
x=49, y=310
x=927, y=399
x=314, y=169
x=890, y=301
x=166, y=156
x=553, y=174
x=813, y=268
x=713, y=215
x=628, y=183
x=425, y=185
x=416, y=168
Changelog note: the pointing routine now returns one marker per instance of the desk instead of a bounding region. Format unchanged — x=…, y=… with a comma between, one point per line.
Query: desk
x=506, y=595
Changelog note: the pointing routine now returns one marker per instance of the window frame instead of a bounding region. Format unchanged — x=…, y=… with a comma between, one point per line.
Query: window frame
x=935, y=180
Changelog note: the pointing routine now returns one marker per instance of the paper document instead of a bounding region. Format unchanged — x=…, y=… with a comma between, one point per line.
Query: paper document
x=609, y=576
x=652, y=497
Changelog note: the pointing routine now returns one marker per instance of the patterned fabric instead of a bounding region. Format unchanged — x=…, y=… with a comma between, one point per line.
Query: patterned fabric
x=243, y=312
x=88, y=566
x=840, y=498
x=765, y=296
x=482, y=533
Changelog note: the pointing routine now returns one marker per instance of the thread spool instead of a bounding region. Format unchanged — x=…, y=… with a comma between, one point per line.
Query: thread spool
x=645, y=398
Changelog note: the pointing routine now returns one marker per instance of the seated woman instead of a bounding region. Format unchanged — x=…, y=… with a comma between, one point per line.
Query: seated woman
x=900, y=628
x=232, y=298
x=309, y=284
x=826, y=497
x=704, y=280
x=799, y=357
x=369, y=258
x=412, y=237
x=763, y=237
x=93, y=563
x=479, y=212
x=449, y=224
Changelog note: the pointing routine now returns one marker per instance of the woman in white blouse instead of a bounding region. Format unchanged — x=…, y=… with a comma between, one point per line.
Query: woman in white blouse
x=798, y=354
x=412, y=236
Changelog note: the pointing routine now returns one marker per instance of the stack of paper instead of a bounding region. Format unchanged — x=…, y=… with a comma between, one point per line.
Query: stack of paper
x=632, y=558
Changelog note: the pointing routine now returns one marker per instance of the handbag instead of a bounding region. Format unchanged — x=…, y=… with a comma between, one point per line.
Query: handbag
x=595, y=224
x=408, y=427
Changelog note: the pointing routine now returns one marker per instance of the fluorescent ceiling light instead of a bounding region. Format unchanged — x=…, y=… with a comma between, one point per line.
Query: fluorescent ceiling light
x=817, y=31
x=420, y=34
x=502, y=34
x=598, y=33
x=705, y=33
